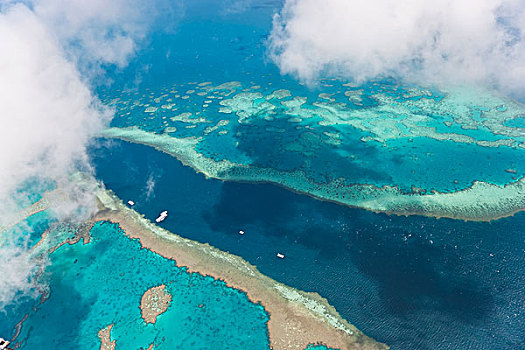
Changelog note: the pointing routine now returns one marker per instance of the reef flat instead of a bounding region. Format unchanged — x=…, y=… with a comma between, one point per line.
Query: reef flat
x=94, y=282
x=297, y=319
x=39, y=206
x=125, y=275
x=383, y=110
x=154, y=302
x=105, y=338
x=480, y=202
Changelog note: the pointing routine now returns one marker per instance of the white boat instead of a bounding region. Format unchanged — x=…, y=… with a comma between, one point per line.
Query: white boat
x=3, y=343
x=131, y=203
x=162, y=216
x=280, y=256
x=241, y=232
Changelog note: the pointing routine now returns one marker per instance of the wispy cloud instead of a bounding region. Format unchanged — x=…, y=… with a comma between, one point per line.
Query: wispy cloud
x=50, y=50
x=236, y=6
x=48, y=112
x=107, y=32
x=18, y=268
x=440, y=42
x=150, y=184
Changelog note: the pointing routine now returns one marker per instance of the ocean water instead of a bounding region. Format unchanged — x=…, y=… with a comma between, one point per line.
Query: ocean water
x=411, y=282
x=383, y=132
x=101, y=283
x=23, y=236
x=324, y=145
x=31, y=191
x=29, y=231
x=518, y=122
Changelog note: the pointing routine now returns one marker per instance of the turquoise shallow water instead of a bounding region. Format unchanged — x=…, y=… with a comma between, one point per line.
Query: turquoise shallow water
x=289, y=141
x=31, y=191
x=518, y=122
x=381, y=145
x=411, y=282
x=101, y=283
x=29, y=231
x=415, y=283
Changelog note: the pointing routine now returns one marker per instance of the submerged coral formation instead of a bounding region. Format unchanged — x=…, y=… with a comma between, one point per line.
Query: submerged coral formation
x=381, y=146
x=481, y=201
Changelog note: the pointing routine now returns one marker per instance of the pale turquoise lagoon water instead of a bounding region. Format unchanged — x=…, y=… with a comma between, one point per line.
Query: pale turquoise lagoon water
x=101, y=283
x=387, y=146
x=31, y=191
x=327, y=152
x=518, y=122
x=411, y=282
x=414, y=283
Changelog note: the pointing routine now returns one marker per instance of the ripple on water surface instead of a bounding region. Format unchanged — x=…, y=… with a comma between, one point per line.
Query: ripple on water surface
x=413, y=283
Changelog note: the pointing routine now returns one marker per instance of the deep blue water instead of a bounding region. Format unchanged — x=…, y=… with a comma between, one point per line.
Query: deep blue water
x=414, y=283
x=210, y=42
x=278, y=143
x=205, y=42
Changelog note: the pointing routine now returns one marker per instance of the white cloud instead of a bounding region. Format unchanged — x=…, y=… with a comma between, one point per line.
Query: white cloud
x=48, y=113
x=18, y=269
x=48, y=116
x=95, y=30
x=49, y=51
x=150, y=185
x=439, y=41
x=234, y=7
